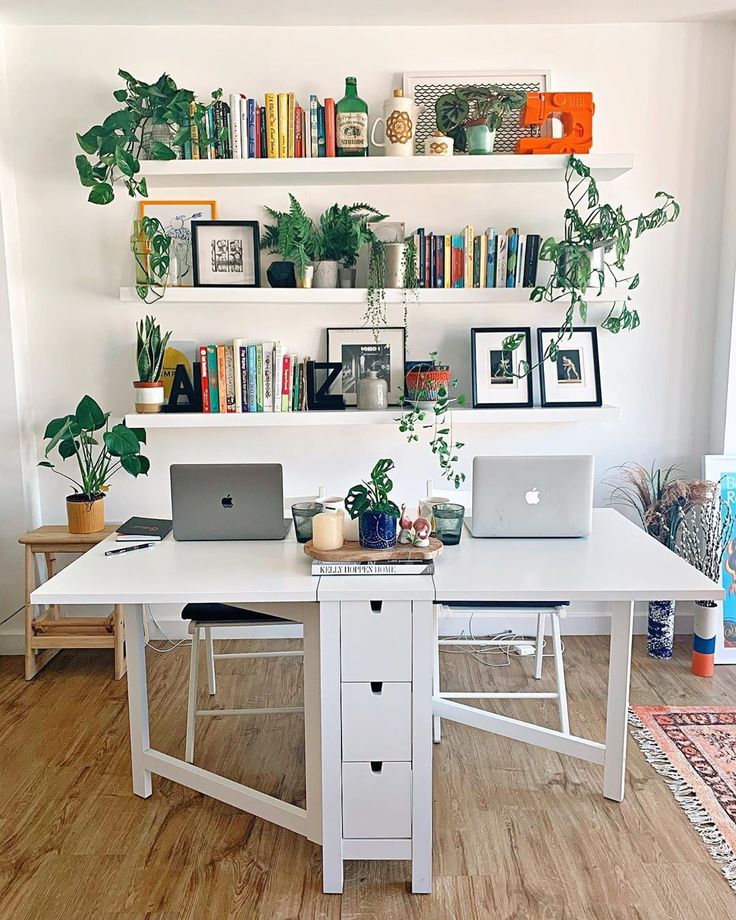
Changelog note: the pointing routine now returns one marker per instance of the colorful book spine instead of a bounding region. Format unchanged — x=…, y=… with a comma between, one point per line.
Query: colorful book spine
x=252, y=108
x=283, y=125
x=211, y=147
x=263, y=132
x=252, y=380
x=321, y=148
x=285, y=383
x=242, y=359
x=204, y=378
x=259, y=378
x=272, y=126
x=193, y=132
x=512, y=246
x=213, y=379
x=298, y=131
x=294, y=374
x=448, y=261
x=229, y=379
x=330, y=128
x=458, y=261
x=491, y=269
x=245, y=134
x=468, y=257
x=267, y=376
x=290, y=126
x=313, y=125
x=476, y=262
x=438, y=245
x=221, y=377
x=520, y=256
x=277, y=375
x=501, y=256
x=421, y=256
x=531, y=259
x=483, y=258
x=238, y=344
x=222, y=127
x=236, y=117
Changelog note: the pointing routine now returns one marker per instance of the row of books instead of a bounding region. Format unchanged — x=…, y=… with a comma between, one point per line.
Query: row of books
x=281, y=128
x=243, y=377
x=464, y=260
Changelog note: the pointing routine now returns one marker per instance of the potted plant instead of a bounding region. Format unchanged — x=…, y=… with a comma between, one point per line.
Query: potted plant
x=343, y=230
x=150, y=348
x=151, y=246
x=471, y=115
x=377, y=515
x=392, y=264
x=77, y=436
x=294, y=237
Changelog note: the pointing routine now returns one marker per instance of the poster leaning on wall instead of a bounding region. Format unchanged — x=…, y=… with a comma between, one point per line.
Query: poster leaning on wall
x=723, y=471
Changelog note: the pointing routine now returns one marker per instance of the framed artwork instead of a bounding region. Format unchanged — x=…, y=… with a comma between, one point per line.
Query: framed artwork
x=176, y=218
x=226, y=253
x=358, y=351
x=574, y=379
x=723, y=471
x=426, y=88
x=496, y=380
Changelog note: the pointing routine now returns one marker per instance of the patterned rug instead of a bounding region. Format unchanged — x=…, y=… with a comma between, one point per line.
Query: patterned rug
x=694, y=749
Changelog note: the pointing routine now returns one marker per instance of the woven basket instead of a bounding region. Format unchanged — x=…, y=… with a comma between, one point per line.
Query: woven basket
x=424, y=386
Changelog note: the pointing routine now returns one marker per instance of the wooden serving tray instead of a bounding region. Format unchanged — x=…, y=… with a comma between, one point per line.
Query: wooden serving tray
x=354, y=552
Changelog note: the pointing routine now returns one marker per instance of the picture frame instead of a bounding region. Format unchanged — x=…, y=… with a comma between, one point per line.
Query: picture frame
x=495, y=370
x=176, y=217
x=226, y=253
x=574, y=379
x=722, y=469
x=358, y=350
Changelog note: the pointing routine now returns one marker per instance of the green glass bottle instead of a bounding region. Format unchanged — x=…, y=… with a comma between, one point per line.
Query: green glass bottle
x=351, y=122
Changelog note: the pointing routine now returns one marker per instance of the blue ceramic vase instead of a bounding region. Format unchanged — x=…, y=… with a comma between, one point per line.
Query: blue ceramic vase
x=660, y=629
x=377, y=530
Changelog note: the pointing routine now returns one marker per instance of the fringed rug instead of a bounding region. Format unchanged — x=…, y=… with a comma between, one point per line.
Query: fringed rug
x=694, y=749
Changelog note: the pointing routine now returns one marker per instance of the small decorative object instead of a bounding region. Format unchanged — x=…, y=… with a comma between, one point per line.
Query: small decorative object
x=448, y=522
x=438, y=145
x=176, y=219
x=722, y=470
x=150, y=348
x=303, y=514
x=226, y=253
x=151, y=252
x=306, y=279
x=342, y=232
x=319, y=397
x=294, y=237
x=327, y=530
x=281, y=275
x=406, y=527
x=351, y=122
x=573, y=110
x=372, y=391
x=358, y=351
x=472, y=114
x=572, y=377
x=79, y=435
x=501, y=376
x=422, y=531
x=186, y=389
x=377, y=515
x=423, y=383
x=399, y=119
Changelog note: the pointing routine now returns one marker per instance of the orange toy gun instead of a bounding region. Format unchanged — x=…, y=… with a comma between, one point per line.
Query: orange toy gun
x=575, y=112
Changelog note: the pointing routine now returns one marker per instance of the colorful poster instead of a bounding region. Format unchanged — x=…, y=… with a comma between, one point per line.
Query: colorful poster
x=723, y=470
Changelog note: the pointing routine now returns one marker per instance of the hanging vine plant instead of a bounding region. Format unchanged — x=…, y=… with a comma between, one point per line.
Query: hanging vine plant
x=375, y=313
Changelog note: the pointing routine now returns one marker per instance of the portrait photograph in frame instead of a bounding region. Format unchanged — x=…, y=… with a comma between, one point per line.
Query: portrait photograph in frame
x=722, y=470
x=358, y=351
x=497, y=382
x=176, y=218
x=574, y=377
x=226, y=253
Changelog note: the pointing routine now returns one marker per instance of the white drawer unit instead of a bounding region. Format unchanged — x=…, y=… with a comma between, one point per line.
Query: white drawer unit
x=376, y=800
x=376, y=721
x=376, y=640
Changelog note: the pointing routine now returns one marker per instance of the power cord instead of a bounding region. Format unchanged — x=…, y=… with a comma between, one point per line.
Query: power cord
x=172, y=643
x=481, y=652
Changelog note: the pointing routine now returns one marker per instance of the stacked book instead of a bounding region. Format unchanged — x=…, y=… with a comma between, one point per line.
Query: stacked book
x=464, y=260
x=384, y=567
x=242, y=377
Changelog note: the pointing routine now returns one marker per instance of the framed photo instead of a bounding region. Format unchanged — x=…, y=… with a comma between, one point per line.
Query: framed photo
x=176, y=218
x=723, y=471
x=226, y=253
x=358, y=351
x=496, y=380
x=574, y=379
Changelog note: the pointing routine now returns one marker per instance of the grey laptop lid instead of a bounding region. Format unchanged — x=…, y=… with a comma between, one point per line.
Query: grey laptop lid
x=532, y=496
x=228, y=501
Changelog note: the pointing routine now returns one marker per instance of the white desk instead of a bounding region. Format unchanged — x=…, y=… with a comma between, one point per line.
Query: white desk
x=359, y=631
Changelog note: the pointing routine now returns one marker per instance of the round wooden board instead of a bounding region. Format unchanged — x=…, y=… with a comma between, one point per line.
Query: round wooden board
x=354, y=552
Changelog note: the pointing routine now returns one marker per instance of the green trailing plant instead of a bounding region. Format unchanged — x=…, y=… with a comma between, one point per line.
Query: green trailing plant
x=150, y=349
x=373, y=494
x=479, y=105
x=153, y=259
x=78, y=435
x=344, y=229
x=592, y=225
x=293, y=235
x=375, y=313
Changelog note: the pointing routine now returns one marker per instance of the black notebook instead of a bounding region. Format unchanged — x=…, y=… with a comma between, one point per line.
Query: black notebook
x=140, y=529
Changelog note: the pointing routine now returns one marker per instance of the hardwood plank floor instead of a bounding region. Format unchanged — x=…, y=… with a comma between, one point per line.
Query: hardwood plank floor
x=519, y=833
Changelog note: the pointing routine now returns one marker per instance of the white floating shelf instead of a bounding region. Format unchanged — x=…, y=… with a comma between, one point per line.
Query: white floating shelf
x=352, y=417
x=377, y=170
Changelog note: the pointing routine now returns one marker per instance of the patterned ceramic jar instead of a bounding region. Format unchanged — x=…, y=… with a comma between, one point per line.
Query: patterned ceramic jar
x=438, y=145
x=377, y=530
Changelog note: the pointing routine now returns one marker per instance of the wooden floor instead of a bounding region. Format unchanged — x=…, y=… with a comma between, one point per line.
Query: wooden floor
x=518, y=833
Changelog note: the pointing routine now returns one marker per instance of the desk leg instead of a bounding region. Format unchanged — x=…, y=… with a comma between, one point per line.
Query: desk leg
x=332, y=869
x=137, y=698
x=423, y=646
x=619, y=675
x=312, y=723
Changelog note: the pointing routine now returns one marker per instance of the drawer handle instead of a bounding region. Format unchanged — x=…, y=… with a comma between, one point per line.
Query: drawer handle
x=376, y=606
x=376, y=766
x=377, y=687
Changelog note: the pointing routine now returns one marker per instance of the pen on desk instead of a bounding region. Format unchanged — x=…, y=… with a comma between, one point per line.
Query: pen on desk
x=128, y=549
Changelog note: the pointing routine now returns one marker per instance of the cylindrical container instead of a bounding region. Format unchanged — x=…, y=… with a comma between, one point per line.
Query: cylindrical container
x=479, y=139
x=325, y=274
x=395, y=264
x=349, y=525
x=303, y=514
x=704, y=638
x=327, y=530
x=399, y=125
x=149, y=395
x=439, y=145
x=140, y=246
x=346, y=277
x=423, y=386
x=377, y=530
x=660, y=629
x=84, y=515
x=448, y=522
x=372, y=391
x=307, y=279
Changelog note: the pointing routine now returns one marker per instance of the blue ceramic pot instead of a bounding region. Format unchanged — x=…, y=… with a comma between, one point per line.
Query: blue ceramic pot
x=377, y=530
x=660, y=629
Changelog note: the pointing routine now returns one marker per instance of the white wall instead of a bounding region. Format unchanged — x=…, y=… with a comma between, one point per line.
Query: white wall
x=660, y=91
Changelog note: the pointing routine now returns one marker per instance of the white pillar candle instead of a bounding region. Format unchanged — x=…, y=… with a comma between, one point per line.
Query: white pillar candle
x=327, y=530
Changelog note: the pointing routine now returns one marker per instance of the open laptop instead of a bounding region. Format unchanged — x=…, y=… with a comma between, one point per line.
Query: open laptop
x=532, y=496
x=228, y=501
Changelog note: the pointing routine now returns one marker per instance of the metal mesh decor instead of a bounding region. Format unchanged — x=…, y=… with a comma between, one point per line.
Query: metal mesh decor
x=425, y=89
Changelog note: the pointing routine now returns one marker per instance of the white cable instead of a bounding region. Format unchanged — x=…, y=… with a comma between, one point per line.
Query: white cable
x=173, y=643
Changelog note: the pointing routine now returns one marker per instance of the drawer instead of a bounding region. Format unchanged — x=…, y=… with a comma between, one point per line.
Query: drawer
x=375, y=640
x=376, y=721
x=376, y=800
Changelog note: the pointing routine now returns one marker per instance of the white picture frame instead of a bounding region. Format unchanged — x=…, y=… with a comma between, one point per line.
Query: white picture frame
x=176, y=218
x=722, y=469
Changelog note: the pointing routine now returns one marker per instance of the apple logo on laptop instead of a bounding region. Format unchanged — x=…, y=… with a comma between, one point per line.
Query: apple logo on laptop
x=227, y=501
x=532, y=496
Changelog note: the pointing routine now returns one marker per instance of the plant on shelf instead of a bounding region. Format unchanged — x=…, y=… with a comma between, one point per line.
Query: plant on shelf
x=151, y=246
x=593, y=253
x=391, y=265
x=294, y=237
x=427, y=394
x=471, y=115
x=150, y=349
x=377, y=515
x=77, y=435
x=342, y=232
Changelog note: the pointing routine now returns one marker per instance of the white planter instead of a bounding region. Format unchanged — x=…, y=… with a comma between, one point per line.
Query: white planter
x=149, y=397
x=325, y=274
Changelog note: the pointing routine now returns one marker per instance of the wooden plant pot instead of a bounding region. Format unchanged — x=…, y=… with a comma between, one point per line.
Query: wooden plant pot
x=85, y=516
x=149, y=397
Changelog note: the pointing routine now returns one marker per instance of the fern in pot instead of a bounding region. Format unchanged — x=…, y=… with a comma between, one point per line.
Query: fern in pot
x=150, y=350
x=342, y=232
x=293, y=236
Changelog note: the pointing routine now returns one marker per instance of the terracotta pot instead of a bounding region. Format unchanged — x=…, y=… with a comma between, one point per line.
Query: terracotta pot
x=84, y=515
x=149, y=396
x=423, y=386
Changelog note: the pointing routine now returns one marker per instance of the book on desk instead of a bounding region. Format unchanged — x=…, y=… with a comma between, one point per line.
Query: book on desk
x=382, y=567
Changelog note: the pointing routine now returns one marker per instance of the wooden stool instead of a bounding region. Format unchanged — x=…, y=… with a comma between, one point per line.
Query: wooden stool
x=51, y=632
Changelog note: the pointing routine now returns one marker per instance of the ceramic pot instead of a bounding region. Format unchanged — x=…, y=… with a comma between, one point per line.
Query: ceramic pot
x=705, y=627
x=149, y=396
x=372, y=392
x=307, y=279
x=281, y=275
x=395, y=264
x=346, y=277
x=423, y=387
x=597, y=263
x=439, y=145
x=325, y=273
x=660, y=629
x=479, y=138
x=399, y=125
x=377, y=530
x=84, y=515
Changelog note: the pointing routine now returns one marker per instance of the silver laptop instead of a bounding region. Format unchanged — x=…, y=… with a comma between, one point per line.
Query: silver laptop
x=228, y=501
x=532, y=497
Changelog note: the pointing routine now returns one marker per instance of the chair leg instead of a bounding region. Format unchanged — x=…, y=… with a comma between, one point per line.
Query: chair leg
x=209, y=652
x=192, y=700
x=539, y=650
x=560, y=675
x=119, y=626
x=436, y=721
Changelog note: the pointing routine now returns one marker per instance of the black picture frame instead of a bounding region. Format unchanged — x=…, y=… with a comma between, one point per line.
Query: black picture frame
x=364, y=337
x=197, y=253
x=549, y=403
x=476, y=331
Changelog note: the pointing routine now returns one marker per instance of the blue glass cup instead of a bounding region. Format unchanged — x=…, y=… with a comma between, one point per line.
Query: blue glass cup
x=303, y=514
x=448, y=522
